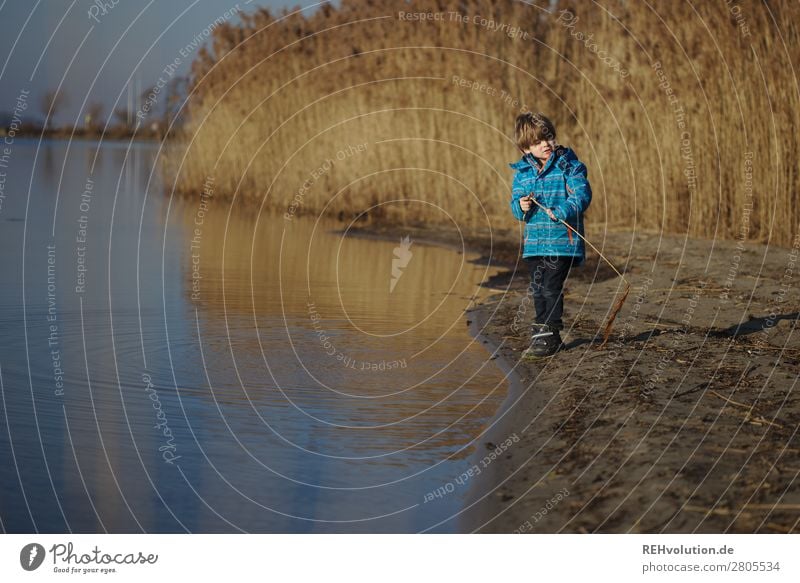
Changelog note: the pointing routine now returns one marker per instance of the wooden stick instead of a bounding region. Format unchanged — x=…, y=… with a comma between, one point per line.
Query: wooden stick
x=731, y=401
x=750, y=408
x=717, y=511
x=772, y=506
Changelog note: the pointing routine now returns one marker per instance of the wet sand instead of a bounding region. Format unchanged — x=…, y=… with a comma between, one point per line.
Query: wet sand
x=687, y=420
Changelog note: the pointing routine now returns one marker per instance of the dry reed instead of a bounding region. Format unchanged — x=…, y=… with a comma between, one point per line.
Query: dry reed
x=697, y=137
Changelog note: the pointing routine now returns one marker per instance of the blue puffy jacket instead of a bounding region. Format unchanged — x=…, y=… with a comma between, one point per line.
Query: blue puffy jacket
x=561, y=186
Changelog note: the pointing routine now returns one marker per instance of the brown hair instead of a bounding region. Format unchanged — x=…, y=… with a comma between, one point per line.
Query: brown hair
x=532, y=128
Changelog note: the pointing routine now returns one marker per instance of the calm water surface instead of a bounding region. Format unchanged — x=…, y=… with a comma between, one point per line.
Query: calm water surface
x=169, y=365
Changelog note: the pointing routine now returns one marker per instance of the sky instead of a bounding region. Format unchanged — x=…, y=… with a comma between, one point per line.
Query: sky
x=102, y=50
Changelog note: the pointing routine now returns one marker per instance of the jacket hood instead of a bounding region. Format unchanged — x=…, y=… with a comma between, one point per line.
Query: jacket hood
x=564, y=156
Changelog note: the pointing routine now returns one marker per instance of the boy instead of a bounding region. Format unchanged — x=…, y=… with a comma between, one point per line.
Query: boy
x=553, y=176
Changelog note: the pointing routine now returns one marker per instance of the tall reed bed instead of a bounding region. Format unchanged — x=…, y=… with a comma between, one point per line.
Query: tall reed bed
x=685, y=113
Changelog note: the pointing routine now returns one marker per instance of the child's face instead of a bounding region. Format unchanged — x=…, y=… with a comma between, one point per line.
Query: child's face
x=542, y=149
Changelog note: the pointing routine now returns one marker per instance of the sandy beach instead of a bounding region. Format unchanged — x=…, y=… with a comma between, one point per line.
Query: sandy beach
x=686, y=421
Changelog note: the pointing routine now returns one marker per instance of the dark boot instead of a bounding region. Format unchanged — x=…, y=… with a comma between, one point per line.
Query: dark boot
x=545, y=341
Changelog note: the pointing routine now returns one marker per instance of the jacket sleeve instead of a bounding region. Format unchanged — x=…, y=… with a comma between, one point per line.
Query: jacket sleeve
x=517, y=192
x=579, y=194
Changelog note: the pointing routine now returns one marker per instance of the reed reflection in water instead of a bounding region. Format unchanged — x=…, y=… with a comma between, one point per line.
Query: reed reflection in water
x=302, y=390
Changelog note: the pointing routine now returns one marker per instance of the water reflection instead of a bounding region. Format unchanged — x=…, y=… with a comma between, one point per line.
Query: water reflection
x=292, y=386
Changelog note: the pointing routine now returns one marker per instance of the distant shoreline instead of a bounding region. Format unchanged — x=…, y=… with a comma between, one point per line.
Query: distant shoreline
x=79, y=135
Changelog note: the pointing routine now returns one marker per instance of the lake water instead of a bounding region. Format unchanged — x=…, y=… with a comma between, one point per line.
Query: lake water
x=168, y=365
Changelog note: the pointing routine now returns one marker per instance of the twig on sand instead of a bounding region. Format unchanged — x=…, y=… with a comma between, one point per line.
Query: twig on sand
x=757, y=420
x=794, y=507
x=746, y=509
x=699, y=387
x=707, y=511
x=686, y=289
x=731, y=401
x=773, y=348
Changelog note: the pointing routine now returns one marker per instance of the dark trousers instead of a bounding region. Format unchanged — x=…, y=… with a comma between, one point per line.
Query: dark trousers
x=547, y=282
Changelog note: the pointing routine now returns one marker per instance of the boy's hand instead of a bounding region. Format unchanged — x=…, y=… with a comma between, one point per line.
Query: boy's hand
x=525, y=203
